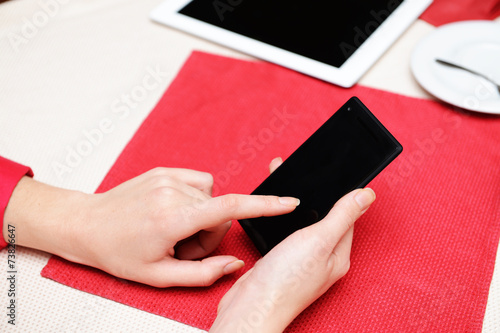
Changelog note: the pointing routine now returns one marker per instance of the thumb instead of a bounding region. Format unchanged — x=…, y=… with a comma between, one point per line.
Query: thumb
x=186, y=273
x=344, y=213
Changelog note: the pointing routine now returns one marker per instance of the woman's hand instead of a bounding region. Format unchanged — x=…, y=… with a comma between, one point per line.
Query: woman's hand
x=150, y=229
x=294, y=273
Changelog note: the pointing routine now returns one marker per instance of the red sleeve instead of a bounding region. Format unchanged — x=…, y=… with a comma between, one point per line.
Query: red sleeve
x=10, y=174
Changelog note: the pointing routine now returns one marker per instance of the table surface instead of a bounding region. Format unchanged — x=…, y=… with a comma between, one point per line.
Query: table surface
x=63, y=66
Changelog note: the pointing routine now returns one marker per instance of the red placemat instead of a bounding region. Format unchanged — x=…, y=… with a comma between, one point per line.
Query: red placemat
x=446, y=11
x=423, y=255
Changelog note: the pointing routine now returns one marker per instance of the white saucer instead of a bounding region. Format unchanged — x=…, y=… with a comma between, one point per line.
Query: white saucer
x=472, y=44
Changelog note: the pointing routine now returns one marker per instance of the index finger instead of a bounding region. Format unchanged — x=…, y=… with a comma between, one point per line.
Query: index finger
x=219, y=210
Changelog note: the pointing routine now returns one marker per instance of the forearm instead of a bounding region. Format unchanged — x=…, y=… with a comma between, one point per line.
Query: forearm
x=43, y=216
x=251, y=318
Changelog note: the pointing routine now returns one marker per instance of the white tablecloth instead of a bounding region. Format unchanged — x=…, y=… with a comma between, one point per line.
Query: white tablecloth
x=63, y=65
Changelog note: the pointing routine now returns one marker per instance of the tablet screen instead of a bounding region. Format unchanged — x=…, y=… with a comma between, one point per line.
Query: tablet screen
x=326, y=31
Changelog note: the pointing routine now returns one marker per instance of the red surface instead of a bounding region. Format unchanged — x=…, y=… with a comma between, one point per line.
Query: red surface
x=423, y=255
x=446, y=11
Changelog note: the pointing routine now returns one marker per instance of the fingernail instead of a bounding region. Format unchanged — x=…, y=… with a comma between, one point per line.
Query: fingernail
x=365, y=198
x=233, y=267
x=289, y=201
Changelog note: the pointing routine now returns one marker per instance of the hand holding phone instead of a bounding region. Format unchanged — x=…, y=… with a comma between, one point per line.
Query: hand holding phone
x=345, y=153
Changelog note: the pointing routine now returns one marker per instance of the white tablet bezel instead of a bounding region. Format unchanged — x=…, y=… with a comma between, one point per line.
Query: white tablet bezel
x=346, y=76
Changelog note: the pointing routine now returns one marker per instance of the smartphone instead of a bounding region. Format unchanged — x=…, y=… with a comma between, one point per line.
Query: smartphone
x=345, y=153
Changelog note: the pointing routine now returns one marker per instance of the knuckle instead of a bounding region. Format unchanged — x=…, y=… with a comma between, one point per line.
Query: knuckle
x=350, y=213
x=157, y=172
x=207, y=178
x=205, y=197
x=269, y=202
x=340, y=266
x=344, y=267
x=206, y=277
x=350, y=219
x=229, y=202
x=159, y=198
x=200, y=204
x=164, y=192
x=163, y=180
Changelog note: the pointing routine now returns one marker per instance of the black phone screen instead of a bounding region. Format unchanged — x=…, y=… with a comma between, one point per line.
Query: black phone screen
x=345, y=153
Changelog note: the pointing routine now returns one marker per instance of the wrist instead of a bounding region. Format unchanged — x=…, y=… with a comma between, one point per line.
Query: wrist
x=253, y=309
x=44, y=217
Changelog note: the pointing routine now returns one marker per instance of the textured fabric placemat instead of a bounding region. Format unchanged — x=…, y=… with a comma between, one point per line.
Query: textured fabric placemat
x=423, y=255
x=446, y=11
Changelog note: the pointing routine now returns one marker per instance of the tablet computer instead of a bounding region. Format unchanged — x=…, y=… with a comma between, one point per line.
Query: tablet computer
x=335, y=41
